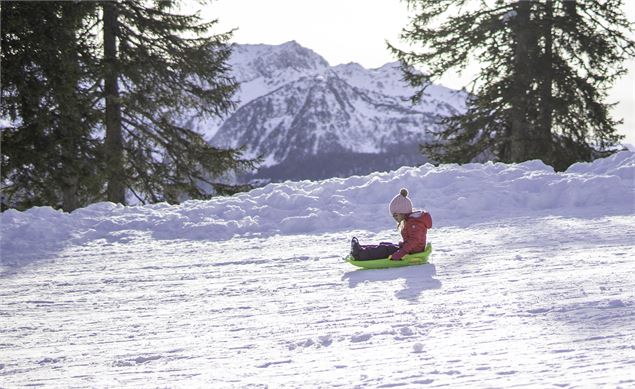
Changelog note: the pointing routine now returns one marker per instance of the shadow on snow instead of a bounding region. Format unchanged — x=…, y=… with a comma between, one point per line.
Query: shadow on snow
x=417, y=279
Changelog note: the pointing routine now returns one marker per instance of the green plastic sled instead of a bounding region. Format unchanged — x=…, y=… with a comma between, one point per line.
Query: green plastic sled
x=407, y=260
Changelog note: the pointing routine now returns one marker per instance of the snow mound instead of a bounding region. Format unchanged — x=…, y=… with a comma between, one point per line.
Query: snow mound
x=454, y=195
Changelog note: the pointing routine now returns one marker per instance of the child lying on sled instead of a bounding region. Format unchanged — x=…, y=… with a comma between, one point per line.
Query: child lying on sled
x=412, y=225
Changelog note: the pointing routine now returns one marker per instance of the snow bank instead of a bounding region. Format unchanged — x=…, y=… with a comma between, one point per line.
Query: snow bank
x=454, y=194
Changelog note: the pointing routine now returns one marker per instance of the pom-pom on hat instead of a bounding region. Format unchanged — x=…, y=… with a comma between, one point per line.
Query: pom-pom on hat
x=401, y=203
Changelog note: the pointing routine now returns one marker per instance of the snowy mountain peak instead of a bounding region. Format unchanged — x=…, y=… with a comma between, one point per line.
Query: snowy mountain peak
x=322, y=114
x=252, y=61
x=349, y=68
x=292, y=104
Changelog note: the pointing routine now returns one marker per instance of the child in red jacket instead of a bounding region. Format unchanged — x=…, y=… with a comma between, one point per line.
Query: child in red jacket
x=412, y=225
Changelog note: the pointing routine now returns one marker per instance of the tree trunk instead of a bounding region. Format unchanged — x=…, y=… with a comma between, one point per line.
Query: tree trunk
x=570, y=7
x=114, y=139
x=70, y=129
x=520, y=126
x=70, y=154
x=70, y=202
x=546, y=98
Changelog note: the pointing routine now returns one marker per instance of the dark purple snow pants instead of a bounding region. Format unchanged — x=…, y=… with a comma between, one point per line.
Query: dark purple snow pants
x=377, y=251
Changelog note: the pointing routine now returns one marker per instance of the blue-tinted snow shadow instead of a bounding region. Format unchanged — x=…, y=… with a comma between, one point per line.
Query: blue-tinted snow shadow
x=417, y=279
x=13, y=263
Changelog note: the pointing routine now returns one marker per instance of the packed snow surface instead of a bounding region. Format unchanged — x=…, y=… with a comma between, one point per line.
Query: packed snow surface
x=530, y=283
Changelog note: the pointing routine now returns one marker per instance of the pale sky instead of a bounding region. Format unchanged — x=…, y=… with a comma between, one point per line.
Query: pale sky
x=344, y=31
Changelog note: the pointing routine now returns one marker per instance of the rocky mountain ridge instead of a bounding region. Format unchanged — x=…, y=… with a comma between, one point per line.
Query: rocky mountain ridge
x=310, y=120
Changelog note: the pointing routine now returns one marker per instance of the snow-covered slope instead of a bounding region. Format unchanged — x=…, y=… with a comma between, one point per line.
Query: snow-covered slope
x=530, y=284
x=455, y=194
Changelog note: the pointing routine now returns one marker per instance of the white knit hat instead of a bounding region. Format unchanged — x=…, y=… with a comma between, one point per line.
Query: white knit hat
x=401, y=203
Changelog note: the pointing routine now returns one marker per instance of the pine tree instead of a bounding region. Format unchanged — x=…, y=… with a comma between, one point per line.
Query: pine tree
x=161, y=66
x=49, y=156
x=98, y=93
x=541, y=91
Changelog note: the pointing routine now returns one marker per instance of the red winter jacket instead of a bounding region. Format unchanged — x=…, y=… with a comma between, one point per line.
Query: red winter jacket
x=414, y=233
